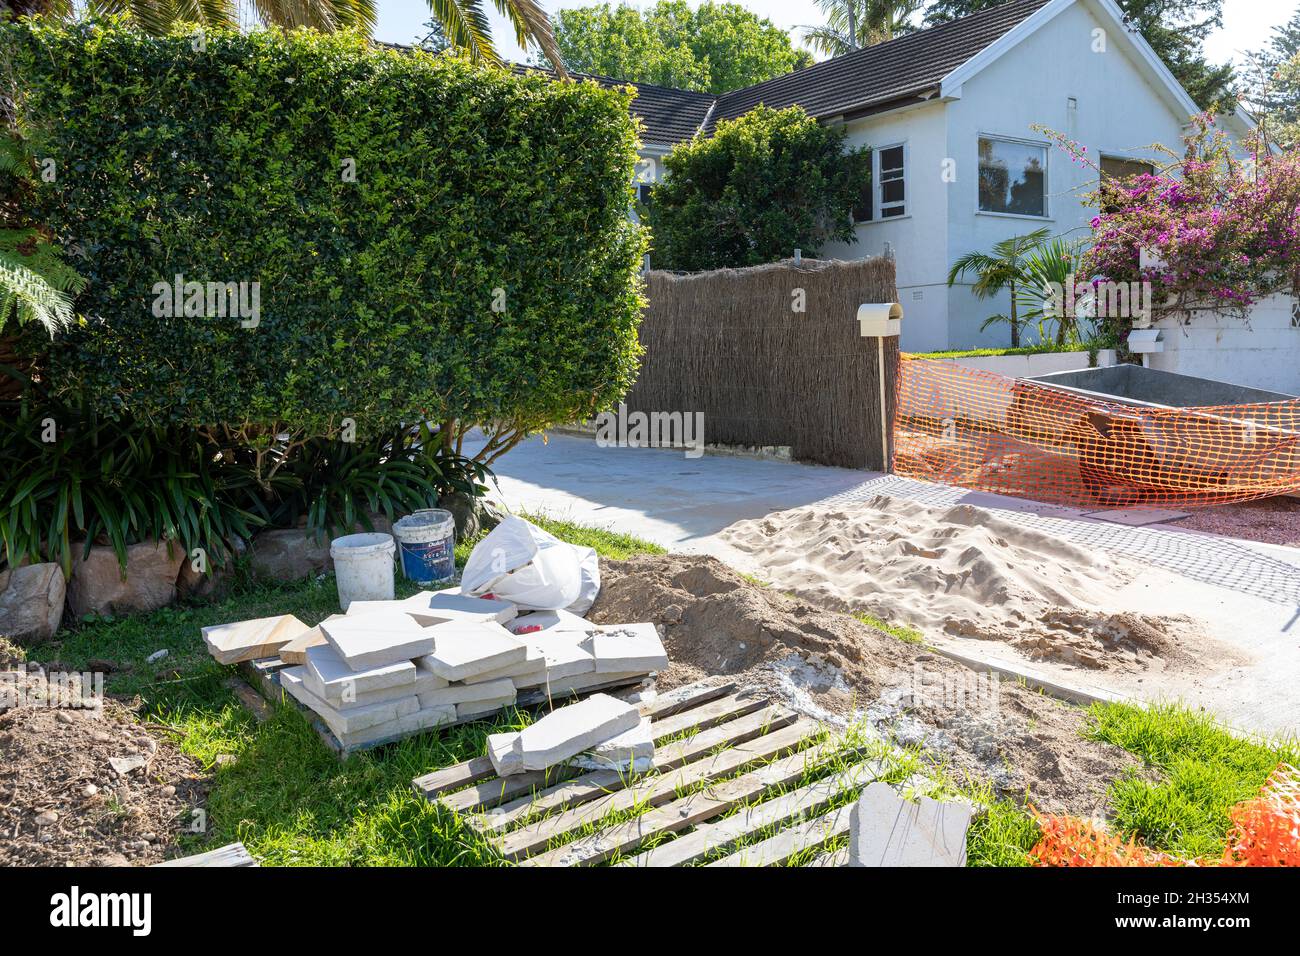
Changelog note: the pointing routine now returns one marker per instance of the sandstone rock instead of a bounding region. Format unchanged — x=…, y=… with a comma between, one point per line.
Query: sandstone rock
x=98, y=587
x=215, y=581
x=31, y=602
x=288, y=554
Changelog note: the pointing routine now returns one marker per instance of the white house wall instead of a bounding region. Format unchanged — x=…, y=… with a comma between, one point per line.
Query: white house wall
x=1118, y=113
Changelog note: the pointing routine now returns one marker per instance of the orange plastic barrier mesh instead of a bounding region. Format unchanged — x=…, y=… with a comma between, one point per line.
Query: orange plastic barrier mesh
x=1265, y=832
x=984, y=431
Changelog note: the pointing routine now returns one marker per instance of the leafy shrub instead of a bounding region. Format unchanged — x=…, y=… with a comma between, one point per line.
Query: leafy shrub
x=479, y=268
x=762, y=185
x=73, y=478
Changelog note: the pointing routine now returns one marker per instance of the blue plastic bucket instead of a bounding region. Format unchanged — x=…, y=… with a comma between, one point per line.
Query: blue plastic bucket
x=426, y=542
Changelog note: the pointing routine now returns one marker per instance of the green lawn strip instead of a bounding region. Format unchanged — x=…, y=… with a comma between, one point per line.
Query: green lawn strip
x=276, y=786
x=904, y=632
x=609, y=544
x=1204, y=770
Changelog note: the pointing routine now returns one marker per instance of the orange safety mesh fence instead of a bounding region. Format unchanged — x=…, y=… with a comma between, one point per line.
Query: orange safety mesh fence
x=1265, y=832
x=979, y=430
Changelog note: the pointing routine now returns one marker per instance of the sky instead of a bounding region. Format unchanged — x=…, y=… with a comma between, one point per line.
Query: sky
x=1247, y=23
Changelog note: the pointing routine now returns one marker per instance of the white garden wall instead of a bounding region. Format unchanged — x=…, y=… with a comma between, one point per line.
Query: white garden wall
x=1261, y=351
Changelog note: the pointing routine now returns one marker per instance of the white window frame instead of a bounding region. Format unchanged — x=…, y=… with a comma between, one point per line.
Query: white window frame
x=1047, y=177
x=876, y=205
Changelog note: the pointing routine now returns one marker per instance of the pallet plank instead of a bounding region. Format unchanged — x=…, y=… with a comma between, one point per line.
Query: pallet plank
x=497, y=790
x=434, y=784
x=795, y=805
x=593, y=785
x=676, y=815
x=807, y=835
x=836, y=858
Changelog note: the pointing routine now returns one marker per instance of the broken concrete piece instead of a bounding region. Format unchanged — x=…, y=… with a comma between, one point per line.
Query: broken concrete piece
x=887, y=830
x=481, y=708
x=128, y=764
x=353, y=719
x=295, y=652
x=625, y=647
x=469, y=694
x=373, y=640
x=250, y=640
x=567, y=731
x=463, y=650
x=501, y=751
x=329, y=677
x=632, y=750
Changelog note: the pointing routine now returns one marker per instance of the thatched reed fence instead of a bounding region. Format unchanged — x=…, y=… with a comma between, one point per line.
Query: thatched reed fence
x=731, y=344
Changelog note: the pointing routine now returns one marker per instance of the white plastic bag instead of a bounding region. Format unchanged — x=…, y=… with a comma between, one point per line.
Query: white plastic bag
x=521, y=563
x=589, y=563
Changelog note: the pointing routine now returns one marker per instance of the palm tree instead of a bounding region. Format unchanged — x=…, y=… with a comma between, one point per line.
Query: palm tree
x=853, y=24
x=463, y=21
x=1004, y=269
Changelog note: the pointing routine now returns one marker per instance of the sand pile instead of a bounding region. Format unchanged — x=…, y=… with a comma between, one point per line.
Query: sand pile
x=836, y=668
x=963, y=571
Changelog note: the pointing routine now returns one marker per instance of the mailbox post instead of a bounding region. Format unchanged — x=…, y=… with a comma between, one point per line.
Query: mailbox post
x=880, y=321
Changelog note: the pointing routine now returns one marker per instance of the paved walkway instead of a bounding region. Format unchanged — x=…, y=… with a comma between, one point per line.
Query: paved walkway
x=1247, y=594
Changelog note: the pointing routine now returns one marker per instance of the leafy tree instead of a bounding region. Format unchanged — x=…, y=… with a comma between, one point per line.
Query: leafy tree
x=715, y=48
x=1007, y=268
x=1273, y=82
x=853, y=24
x=1176, y=30
x=762, y=185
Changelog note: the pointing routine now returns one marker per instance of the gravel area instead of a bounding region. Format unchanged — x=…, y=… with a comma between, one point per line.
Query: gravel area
x=1272, y=520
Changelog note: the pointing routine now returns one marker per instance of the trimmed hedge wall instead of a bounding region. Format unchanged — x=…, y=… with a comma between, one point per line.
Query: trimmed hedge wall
x=378, y=297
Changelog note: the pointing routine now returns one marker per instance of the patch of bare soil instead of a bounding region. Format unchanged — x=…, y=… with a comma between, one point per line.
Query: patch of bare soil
x=86, y=785
x=835, y=668
x=1272, y=521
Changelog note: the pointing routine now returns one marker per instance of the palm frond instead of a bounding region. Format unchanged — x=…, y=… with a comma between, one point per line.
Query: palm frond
x=531, y=23
x=467, y=28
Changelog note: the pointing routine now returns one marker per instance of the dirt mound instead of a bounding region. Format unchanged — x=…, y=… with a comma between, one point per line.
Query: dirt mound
x=836, y=668
x=62, y=802
x=964, y=571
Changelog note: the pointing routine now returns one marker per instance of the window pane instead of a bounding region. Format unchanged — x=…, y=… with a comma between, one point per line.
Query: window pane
x=891, y=158
x=1118, y=170
x=891, y=192
x=891, y=212
x=1012, y=178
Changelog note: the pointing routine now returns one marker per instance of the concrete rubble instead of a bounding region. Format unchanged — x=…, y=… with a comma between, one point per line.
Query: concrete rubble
x=886, y=829
x=389, y=669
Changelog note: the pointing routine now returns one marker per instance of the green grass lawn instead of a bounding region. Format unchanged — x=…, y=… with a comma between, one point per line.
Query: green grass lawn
x=280, y=791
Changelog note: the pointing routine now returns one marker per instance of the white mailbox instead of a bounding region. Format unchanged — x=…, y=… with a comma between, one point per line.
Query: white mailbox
x=1143, y=341
x=880, y=319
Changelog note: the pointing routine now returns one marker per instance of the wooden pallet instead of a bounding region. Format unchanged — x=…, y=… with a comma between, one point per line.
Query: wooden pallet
x=264, y=676
x=704, y=734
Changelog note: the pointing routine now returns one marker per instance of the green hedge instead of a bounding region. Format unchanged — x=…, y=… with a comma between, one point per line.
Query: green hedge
x=226, y=164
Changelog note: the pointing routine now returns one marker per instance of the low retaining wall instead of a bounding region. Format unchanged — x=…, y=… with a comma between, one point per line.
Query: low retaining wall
x=1037, y=363
x=1260, y=351
x=772, y=355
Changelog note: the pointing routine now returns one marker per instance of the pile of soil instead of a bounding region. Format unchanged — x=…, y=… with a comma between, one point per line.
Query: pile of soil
x=967, y=572
x=835, y=668
x=83, y=782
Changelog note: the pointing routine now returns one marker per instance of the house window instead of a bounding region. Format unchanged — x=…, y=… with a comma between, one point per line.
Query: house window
x=1118, y=170
x=885, y=197
x=643, y=192
x=1012, y=177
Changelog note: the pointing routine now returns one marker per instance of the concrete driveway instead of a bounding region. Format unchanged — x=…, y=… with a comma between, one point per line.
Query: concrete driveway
x=1245, y=594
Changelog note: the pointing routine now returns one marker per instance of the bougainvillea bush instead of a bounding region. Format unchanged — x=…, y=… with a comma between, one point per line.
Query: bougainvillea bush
x=1220, y=227
x=430, y=238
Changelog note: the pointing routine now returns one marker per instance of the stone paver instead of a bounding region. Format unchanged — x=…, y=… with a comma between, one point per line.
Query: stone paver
x=626, y=647
x=372, y=640
x=463, y=650
x=250, y=640
x=886, y=829
x=567, y=731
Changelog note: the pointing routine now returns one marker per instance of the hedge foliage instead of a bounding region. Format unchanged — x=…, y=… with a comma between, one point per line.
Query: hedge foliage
x=481, y=266
x=763, y=185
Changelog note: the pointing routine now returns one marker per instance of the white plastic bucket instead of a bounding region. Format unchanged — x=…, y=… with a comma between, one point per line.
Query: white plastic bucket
x=427, y=545
x=363, y=567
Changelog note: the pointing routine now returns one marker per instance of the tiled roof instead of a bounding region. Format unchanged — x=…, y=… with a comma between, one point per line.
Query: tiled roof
x=901, y=68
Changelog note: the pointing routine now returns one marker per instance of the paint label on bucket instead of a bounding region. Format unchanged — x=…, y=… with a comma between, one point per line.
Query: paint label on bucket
x=428, y=562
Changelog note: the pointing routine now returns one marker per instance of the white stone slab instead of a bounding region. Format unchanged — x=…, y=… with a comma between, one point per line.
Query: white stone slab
x=632, y=750
x=625, y=647
x=567, y=731
x=373, y=640
x=437, y=607
x=502, y=753
x=542, y=622
x=420, y=720
x=483, y=707
x=464, y=650
x=352, y=720
x=328, y=677
x=251, y=640
x=582, y=682
x=887, y=830
x=564, y=659
x=469, y=693
x=1137, y=517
